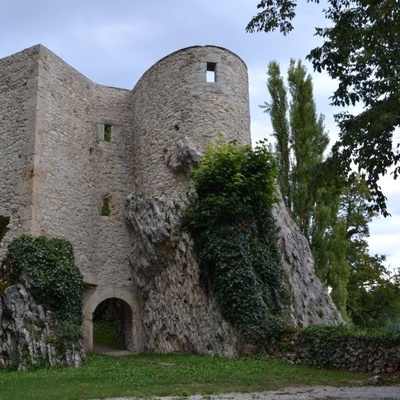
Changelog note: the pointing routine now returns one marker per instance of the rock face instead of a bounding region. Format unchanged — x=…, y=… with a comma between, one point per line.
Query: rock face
x=178, y=313
x=28, y=333
x=311, y=303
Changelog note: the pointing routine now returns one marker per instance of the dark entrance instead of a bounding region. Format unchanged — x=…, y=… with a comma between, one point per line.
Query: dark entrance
x=112, y=328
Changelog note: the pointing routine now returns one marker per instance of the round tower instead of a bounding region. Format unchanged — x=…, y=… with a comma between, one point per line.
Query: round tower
x=178, y=106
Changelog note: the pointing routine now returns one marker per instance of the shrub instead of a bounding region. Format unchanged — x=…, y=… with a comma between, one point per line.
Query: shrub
x=234, y=232
x=48, y=265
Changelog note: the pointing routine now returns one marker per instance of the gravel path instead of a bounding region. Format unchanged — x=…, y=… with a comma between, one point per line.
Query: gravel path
x=300, y=393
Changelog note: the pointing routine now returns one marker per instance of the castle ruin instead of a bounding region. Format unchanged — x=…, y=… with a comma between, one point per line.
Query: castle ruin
x=78, y=159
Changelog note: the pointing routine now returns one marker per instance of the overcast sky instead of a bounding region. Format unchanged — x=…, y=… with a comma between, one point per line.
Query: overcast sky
x=114, y=42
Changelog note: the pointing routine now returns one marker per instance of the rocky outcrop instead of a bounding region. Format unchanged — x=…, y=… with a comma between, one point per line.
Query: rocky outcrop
x=28, y=334
x=311, y=303
x=179, y=314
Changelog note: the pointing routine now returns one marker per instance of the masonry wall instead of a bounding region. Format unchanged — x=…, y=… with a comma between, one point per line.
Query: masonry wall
x=378, y=354
x=18, y=87
x=174, y=102
x=77, y=169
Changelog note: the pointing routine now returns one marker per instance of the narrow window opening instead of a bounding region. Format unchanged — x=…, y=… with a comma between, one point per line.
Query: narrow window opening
x=107, y=133
x=4, y=221
x=105, y=209
x=211, y=72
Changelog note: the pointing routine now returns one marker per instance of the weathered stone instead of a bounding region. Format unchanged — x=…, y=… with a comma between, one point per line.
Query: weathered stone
x=27, y=334
x=376, y=380
x=311, y=302
x=170, y=281
x=177, y=313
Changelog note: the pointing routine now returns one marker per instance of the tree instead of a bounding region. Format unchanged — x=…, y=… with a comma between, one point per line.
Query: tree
x=361, y=52
x=300, y=140
x=373, y=293
x=332, y=212
x=309, y=193
x=277, y=109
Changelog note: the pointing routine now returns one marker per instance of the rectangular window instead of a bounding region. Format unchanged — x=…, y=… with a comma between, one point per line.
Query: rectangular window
x=211, y=72
x=105, y=209
x=107, y=133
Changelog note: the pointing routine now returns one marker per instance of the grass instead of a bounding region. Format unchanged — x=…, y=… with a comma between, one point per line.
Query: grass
x=149, y=375
x=106, y=334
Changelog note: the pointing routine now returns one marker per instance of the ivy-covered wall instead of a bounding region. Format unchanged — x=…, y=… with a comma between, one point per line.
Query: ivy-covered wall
x=230, y=219
x=40, y=304
x=343, y=348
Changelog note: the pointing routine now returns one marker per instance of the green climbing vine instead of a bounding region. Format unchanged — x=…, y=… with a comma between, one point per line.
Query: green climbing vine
x=234, y=233
x=48, y=265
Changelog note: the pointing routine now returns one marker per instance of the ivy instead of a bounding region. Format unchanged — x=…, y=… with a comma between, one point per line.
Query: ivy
x=48, y=265
x=322, y=342
x=234, y=233
x=6, y=278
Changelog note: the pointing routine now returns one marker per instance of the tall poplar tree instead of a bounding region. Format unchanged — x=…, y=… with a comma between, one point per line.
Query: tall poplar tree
x=332, y=212
x=300, y=140
x=303, y=177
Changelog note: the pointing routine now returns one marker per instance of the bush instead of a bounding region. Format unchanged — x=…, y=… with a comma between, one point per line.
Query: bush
x=234, y=232
x=48, y=265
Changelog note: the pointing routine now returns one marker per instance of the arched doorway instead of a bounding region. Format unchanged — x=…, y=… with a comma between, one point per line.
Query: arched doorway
x=121, y=306
x=112, y=320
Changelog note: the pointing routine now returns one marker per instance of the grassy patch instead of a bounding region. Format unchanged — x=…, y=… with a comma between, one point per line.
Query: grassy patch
x=161, y=375
x=106, y=334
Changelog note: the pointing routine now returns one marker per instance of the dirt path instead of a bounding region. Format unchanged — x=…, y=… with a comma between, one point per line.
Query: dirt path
x=110, y=351
x=299, y=393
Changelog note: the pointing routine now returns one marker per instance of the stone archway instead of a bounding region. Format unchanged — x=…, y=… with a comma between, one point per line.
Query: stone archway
x=134, y=337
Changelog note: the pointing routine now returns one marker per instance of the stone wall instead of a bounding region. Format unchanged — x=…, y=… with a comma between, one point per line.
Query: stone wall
x=18, y=88
x=76, y=169
x=174, y=105
x=376, y=355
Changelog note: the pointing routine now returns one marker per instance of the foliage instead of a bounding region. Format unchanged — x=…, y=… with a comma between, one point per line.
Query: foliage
x=374, y=295
x=150, y=375
x=322, y=341
x=105, y=208
x=6, y=278
x=360, y=51
x=300, y=140
x=369, y=280
x=107, y=327
x=105, y=333
x=309, y=191
x=331, y=211
x=273, y=15
x=48, y=265
x=235, y=235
